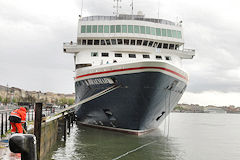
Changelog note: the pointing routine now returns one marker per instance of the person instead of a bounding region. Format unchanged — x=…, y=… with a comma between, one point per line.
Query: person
x=17, y=118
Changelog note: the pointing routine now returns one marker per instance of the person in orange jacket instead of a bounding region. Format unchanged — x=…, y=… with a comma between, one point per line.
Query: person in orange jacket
x=17, y=118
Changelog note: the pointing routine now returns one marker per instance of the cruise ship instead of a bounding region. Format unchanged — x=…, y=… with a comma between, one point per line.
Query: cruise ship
x=130, y=69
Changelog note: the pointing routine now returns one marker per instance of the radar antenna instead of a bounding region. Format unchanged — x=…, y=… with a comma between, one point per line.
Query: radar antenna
x=131, y=5
x=117, y=7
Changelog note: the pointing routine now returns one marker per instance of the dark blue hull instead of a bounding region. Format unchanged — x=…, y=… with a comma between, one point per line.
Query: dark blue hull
x=141, y=103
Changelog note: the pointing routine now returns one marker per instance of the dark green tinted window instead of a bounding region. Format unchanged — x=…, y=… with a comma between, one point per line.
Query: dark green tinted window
x=83, y=29
x=106, y=29
x=179, y=34
x=174, y=33
x=130, y=29
x=94, y=29
x=124, y=28
x=169, y=33
x=164, y=32
x=118, y=29
x=142, y=29
x=100, y=29
x=158, y=31
x=147, y=30
x=88, y=29
x=153, y=30
x=136, y=29
x=112, y=29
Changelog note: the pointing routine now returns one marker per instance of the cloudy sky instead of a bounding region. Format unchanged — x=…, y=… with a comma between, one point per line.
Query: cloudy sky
x=32, y=33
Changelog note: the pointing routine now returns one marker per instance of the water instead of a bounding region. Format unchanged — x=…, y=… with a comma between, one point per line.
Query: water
x=192, y=136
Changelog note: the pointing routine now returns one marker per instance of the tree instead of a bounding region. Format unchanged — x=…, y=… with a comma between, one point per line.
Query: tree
x=0, y=99
x=70, y=101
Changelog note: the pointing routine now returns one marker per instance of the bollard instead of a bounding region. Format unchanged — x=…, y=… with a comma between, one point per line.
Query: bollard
x=24, y=144
x=6, y=122
x=37, y=126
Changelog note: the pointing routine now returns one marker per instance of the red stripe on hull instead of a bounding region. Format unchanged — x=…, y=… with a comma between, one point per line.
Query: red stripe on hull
x=136, y=68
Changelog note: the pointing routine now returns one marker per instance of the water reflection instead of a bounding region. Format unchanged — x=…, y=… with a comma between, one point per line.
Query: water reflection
x=90, y=143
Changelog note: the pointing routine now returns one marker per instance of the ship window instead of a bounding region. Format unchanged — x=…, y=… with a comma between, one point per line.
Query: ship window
x=164, y=32
x=104, y=54
x=171, y=46
x=126, y=41
x=169, y=33
x=147, y=30
x=79, y=41
x=108, y=41
x=132, y=55
x=142, y=29
x=132, y=41
x=118, y=28
x=146, y=56
x=94, y=29
x=103, y=42
x=176, y=47
x=88, y=29
x=165, y=45
x=174, y=33
x=139, y=42
x=155, y=44
x=94, y=54
x=84, y=42
x=130, y=28
x=100, y=29
x=179, y=35
x=113, y=41
x=90, y=42
x=124, y=28
x=106, y=29
x=119, y=41
x=82, y=65
x=159, y=57
x=159, y=45
x=96, y=42
x=136, y=29
x=153, y=30
x=158, y=31
x=112, y=29
x=83, y=29
x=168, y=58
x=118, y=54
x=145, y=43
x=150, y=43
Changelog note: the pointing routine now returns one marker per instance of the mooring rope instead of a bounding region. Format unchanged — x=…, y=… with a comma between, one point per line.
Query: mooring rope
x=134, y=150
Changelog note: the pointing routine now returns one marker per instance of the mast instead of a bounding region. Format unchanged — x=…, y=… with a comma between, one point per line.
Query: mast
x=117, y=7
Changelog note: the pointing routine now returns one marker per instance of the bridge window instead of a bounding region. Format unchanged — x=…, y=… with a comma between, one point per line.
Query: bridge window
x=103, y=42
x=118, y=54
x=112, y=29
x=105, y=54
x=164, y=32
x=126, y=41
x=174, y=33
x=108, y=41
x=90, y=42
x=132, y=41
x=113, y=41
x=171, y=46
x=168, y=58
x=158, y=31
x=119, y=41
x=84, y=42
x=94, y=54
x=139, y=42
x=100, y=29
x=165, y=45
x=142, y=29
x=130, y=28
x=145, y=43
x=150, y=43
x=146, y=56
x=83, y=29
x=96, y=42
x=94, y=29
x=132, y=55
x=136, y=29
x=124, y=28
x=106, y=29
x=179, y=34
x=147, y=30
x=88, y=29
x=169, y=33
x=176, y=47
x=158, y=57
x=118, y=28
x=159, y=45
x=155, y=44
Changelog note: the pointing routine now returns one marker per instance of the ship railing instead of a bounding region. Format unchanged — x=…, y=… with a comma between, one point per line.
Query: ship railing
x=69, y=44
x=189, y=51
